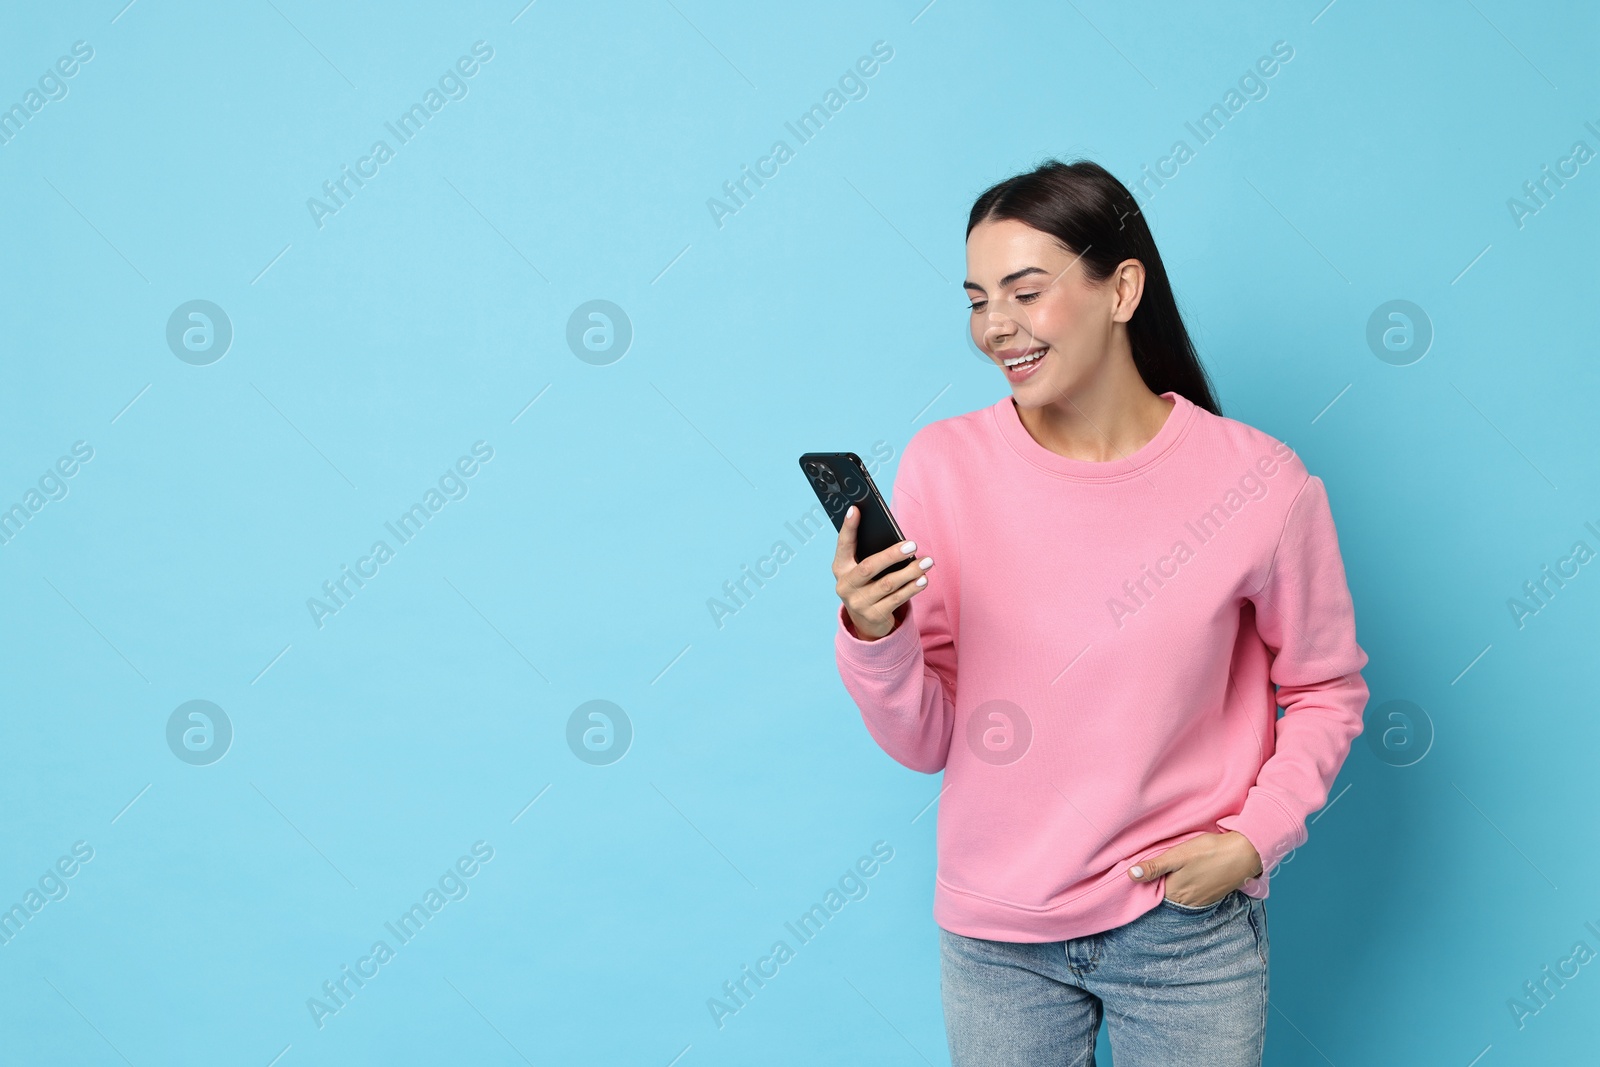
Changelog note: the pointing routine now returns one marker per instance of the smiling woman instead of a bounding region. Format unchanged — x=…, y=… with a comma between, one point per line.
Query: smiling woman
x=1116, y=794
x=1049, y=320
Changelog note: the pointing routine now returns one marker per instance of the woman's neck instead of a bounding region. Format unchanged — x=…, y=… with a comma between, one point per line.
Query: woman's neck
x=1100, y=424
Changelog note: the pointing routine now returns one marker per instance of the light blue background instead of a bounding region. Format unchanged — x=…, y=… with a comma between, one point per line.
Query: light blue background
x=826, y=314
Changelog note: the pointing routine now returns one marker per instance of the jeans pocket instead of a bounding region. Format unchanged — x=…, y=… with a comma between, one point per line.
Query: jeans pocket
x=1201, y=910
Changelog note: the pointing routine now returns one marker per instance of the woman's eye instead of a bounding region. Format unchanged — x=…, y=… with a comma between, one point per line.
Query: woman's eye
x=976, y=305
x=1027, y=297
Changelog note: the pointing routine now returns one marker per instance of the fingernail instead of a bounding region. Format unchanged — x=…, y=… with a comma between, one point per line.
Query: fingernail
x=849, y=511
x=925, y=562
x=1137, y=872
x=909, y=547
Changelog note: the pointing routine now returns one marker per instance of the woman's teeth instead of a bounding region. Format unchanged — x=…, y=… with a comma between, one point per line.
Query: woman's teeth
x=1023, y=360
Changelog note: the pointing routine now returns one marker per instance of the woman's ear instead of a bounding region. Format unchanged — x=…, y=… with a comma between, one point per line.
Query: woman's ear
x=1128, y=286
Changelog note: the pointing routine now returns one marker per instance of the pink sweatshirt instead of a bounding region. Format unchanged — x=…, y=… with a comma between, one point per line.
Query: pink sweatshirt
x=1093, y=661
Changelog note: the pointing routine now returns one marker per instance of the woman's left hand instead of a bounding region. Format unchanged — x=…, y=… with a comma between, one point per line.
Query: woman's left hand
x=1202, y=870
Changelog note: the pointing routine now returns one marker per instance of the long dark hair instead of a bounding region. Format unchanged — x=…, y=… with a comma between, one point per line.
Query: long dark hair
x=1081, y=205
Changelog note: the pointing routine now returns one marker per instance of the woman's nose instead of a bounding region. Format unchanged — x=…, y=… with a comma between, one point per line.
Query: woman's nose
x=998, y=330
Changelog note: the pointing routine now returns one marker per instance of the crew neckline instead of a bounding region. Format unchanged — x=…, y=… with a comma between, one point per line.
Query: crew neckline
x=1153, y=450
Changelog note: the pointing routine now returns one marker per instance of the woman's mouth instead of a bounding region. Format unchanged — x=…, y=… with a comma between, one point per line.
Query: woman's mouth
x=1020, y=368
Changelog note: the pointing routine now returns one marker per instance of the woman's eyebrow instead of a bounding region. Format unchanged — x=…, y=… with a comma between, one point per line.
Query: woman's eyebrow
x=1008, y=279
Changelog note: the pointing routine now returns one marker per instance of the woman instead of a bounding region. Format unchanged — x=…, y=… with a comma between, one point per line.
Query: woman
x=1125, y=577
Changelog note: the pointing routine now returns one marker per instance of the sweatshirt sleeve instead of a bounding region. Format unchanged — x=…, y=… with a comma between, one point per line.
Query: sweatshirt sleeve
x=904, y=682
x=1306, y=618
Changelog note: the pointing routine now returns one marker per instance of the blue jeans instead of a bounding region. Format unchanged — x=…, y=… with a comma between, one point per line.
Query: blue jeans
x=1176, y=986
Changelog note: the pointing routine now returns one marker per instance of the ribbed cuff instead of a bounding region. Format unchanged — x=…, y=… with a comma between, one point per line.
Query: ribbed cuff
x=886, y=652
x=1271, y=830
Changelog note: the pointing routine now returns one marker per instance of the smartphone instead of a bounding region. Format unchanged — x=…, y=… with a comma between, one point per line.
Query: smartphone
x=841, y=479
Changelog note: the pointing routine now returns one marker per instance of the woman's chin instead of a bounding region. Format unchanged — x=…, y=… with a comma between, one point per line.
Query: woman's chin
x=1039, y=390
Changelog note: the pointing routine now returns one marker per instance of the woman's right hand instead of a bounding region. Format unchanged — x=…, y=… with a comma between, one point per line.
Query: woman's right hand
x=871, y=603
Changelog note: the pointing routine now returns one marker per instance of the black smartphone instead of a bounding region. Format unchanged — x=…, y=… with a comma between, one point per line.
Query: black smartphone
x=841, y=479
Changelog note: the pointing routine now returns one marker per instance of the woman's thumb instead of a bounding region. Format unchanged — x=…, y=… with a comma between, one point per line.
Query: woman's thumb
x=1148, y=870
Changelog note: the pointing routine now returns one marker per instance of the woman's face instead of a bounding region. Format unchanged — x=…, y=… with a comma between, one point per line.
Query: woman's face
x=1030, y=295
